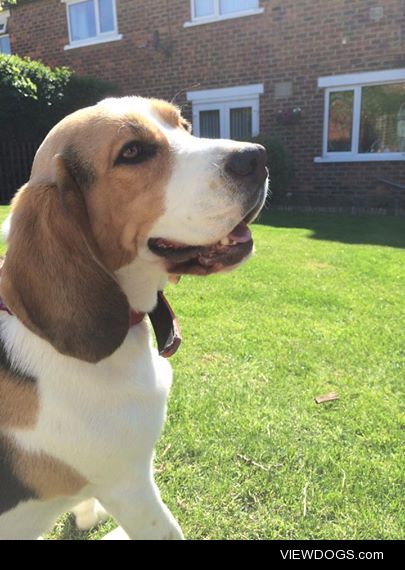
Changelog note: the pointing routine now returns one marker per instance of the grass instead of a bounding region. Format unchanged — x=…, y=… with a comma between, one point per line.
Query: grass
x=246, y=452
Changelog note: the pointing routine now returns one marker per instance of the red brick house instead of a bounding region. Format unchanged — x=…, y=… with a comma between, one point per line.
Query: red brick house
x=327, y=76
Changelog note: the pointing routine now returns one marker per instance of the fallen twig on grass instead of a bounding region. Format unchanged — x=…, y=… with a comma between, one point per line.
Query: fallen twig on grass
x=327, y=398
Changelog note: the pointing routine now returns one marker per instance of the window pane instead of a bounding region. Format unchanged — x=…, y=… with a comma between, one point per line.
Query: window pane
x=241, y=123
x=82, y=20
x=229, y=6
x=210, y=124
x=204, y=8
x=5, y=45
x=106, y=10
x=340, y=121
x=382, y=125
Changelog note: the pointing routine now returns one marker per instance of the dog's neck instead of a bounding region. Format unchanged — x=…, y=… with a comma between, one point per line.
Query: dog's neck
x=141, y=280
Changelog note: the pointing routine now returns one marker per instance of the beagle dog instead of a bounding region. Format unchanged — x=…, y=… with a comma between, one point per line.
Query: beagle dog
x=120, y=198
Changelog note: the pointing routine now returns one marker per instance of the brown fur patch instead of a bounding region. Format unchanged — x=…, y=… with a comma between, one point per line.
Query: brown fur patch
x=81, y=172
x=168, y=112
x=127, y=199
x=12, y=490
x=47, y=476
x=57, y=287
x=19, y=402
x=38, y=475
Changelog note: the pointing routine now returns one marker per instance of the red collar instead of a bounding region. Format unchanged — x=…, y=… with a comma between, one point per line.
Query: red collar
x=164, y=322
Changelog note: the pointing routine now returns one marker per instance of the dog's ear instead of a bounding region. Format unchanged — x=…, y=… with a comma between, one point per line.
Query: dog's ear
x=53, y=278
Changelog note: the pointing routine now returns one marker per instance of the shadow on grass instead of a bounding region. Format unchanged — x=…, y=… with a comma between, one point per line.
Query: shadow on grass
x=372, y=230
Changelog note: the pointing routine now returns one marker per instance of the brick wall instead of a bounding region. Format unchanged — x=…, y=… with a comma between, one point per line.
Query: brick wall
x=293, y=41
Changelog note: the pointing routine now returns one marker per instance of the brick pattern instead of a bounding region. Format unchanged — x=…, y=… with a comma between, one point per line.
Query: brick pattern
x=293, y=41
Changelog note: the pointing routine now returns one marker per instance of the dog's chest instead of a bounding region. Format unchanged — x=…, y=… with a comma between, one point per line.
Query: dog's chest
x=112, y=412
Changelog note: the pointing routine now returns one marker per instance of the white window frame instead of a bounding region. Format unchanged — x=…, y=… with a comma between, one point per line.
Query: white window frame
x=4, y=16
x=101, y=37
x=223, y=100
x=355, y=82
x=217, y=16
x=5, y=36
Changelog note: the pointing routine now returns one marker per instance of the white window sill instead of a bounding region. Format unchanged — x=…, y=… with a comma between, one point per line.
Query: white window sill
x=211, y=19
x=94, y=41
x=371, y=157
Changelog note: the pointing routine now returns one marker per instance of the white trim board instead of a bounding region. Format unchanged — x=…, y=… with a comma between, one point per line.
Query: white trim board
x=371, y=157
x=369, y=77
x=226, y=94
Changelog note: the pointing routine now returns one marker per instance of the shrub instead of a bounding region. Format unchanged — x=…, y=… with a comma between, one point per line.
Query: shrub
x=280, y=164
x=28, y=92
x=83, y=91
x=34, y=97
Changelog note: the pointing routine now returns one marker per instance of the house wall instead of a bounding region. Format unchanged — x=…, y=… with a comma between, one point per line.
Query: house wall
x=292, y=41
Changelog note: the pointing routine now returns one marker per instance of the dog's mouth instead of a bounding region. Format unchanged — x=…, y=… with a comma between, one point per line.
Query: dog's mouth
x=182, y=259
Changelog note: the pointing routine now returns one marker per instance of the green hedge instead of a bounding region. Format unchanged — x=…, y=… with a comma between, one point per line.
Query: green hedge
x=34, y=97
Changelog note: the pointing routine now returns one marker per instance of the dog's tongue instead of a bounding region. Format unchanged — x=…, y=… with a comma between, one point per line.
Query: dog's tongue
x=240, y=234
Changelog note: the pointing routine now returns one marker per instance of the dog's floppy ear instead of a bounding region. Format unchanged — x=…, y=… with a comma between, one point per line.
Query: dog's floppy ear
x=53, y=278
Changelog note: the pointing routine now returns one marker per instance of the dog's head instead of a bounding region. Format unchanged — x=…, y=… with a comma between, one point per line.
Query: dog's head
x=121, y=181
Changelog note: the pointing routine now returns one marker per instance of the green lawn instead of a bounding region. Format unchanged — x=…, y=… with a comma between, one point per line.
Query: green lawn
x=246, y=452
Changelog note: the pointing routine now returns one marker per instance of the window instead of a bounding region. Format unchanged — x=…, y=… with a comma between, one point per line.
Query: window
x=204, y=11
x=4, y=16
x=364, y=117
x=210, y=124
x=5, y=44
x=204, y=8
x=91, y=22
x=241, y=123
x=4, y=39
x=226, y=113
x=382, y=107
x=340, y=121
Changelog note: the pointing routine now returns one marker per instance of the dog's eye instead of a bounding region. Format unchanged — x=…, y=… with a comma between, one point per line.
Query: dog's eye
x=136, y=152
x=131, y=151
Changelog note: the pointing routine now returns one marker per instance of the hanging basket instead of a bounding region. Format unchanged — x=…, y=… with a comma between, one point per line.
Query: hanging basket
x=289, y=116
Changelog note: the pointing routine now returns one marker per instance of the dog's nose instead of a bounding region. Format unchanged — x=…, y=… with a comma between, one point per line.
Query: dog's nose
x=248, y=164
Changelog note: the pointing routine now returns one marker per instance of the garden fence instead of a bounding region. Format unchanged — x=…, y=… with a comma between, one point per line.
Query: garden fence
x=15, y=166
